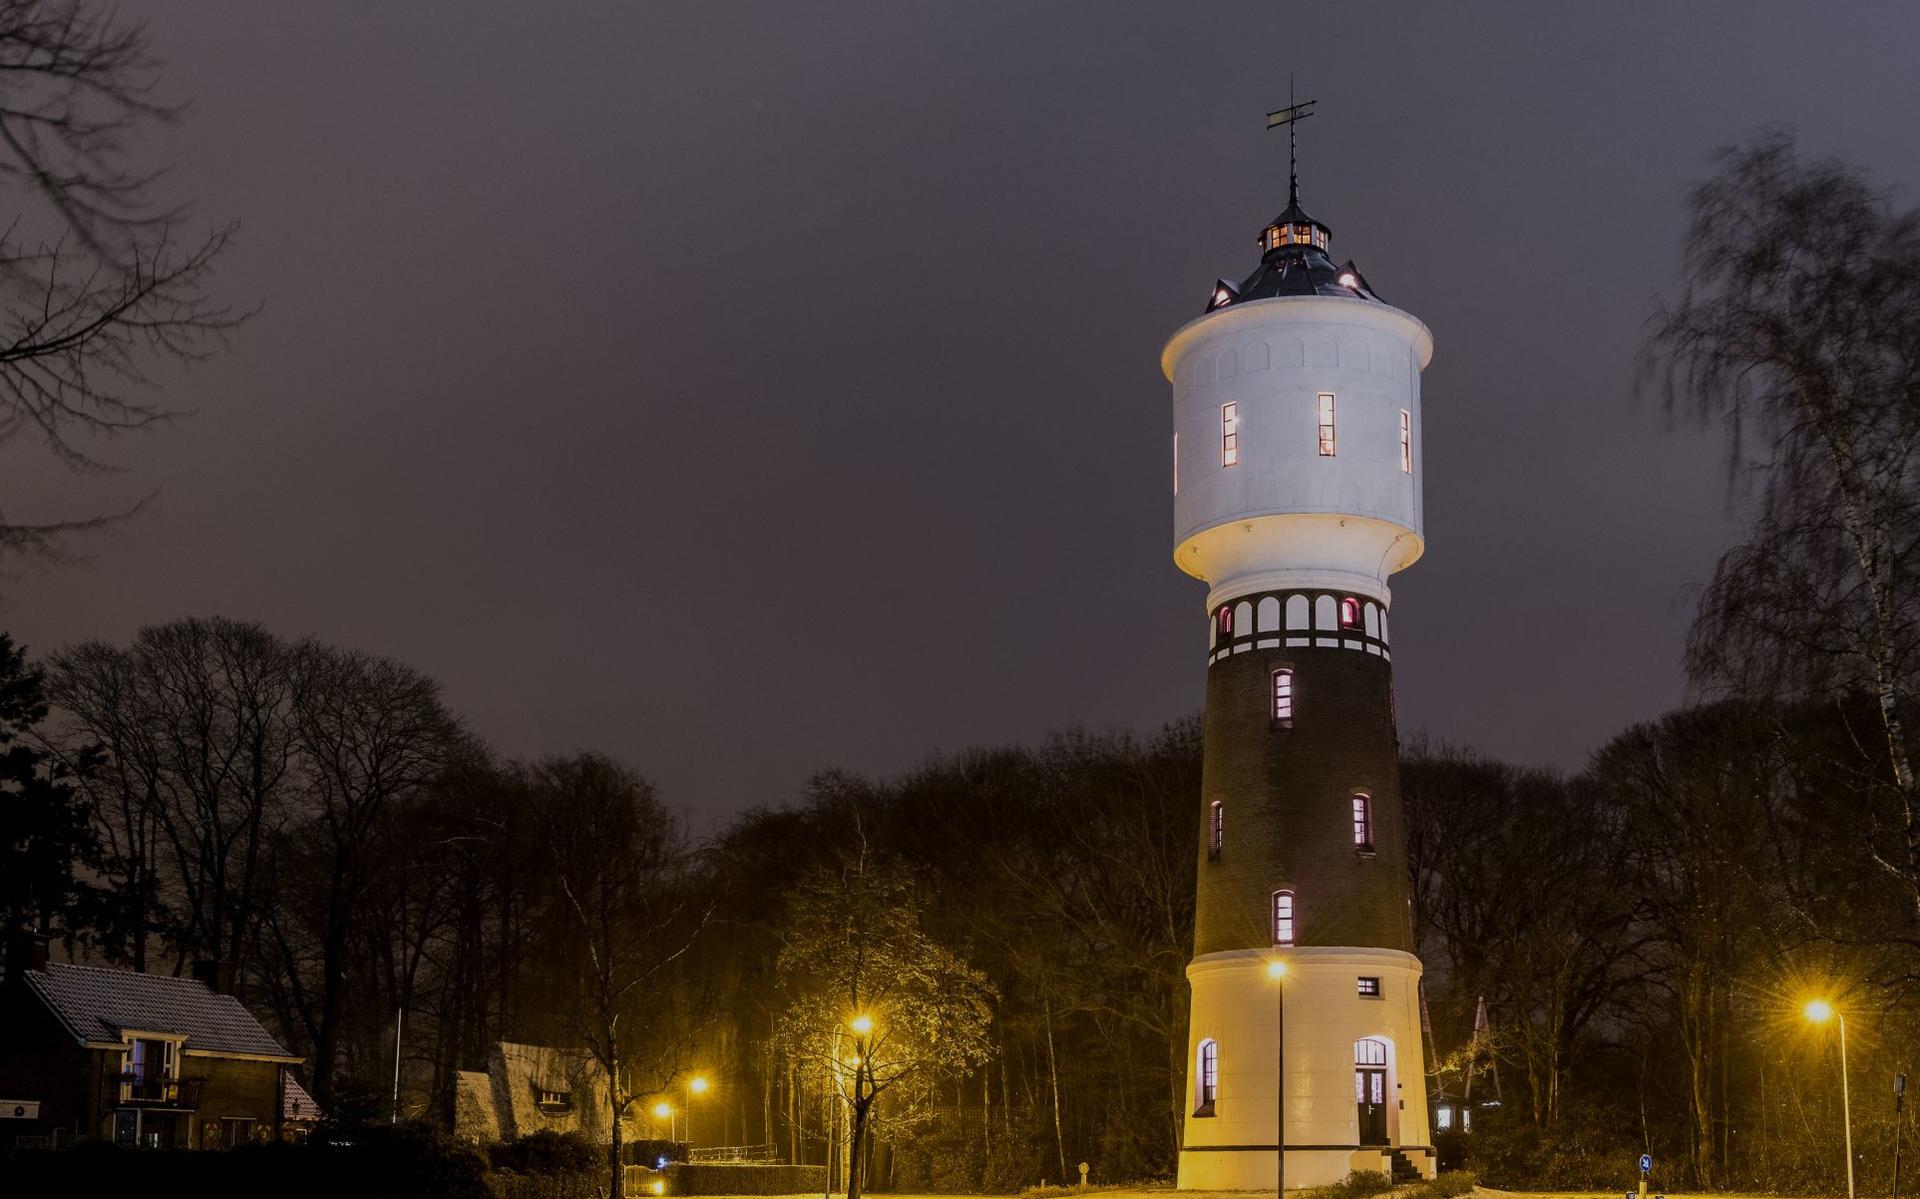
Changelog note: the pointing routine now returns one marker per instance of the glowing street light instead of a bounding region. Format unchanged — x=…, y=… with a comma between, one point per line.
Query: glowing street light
x=862, y=1024
x=698, y=1084
x=1819, y=1011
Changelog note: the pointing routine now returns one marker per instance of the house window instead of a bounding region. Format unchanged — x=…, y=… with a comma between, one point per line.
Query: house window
x=1363, y=822
x=1206, y=1077
x=549, y=1100
x=1216, y=828
x=149, y=1068
x=1283, y=698
x=1369, y=988
x=1229, y=433
x=1349, y=613
x=235, y=1130
x=1283, y=917
x=1326, y=424
x=1443, y=1117
x=1406, y=441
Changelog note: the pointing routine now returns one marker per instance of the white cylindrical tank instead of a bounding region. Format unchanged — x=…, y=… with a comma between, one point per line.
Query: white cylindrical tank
x=1263, y=390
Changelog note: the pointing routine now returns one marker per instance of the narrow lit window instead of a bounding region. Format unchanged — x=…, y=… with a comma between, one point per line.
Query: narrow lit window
x=1349, y=612
x=1443, y=1117
x=1369, y=987
x=1283, y=917
x=1326, y=424
x=1216, y=828
x=1176, y=464
x=1206, y=1077
x=1406, y=441
x=1229, y=434
x=1283, y=697
x=1224, y=621
x=1363, y=822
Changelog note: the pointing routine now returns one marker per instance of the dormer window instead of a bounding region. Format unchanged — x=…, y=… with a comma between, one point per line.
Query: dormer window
x=552, y=1101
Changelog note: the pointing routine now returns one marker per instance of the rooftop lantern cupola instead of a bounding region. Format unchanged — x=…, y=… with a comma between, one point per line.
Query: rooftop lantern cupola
x=1293, y=249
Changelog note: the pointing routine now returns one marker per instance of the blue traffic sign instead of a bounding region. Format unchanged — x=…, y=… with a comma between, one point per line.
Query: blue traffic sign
x=1646, y=1162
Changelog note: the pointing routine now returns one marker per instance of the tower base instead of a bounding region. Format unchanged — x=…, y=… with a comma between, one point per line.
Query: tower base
x=1339, y=1040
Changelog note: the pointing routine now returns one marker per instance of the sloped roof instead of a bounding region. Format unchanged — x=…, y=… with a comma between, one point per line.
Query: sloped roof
x=96, y=1004
x=295, y=1103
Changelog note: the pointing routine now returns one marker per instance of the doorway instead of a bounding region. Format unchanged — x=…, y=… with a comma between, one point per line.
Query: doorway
x=1370, y=1089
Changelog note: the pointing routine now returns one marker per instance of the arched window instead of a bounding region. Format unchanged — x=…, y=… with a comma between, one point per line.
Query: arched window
x=1370, y=1051
x=1223, y=621
x=1283, y=698
x=1349, y=612
x=1216, y=828
x=1206, y=1077
x=1283, y=917
x=1363, y=822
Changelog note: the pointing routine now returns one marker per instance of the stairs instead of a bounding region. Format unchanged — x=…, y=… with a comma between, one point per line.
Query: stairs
x=1403, y=1168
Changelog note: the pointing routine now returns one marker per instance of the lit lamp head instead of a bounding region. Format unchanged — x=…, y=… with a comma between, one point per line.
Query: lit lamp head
x=698, y=1084
x=662, y=1110
x=1276, y=970
x=862, y=1024
x=1818, y=1010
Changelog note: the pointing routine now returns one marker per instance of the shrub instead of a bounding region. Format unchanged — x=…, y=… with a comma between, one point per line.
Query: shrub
x=547, y=1152
x=1448, y=1184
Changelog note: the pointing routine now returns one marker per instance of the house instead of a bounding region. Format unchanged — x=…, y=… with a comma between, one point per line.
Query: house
x=138, y=1059
x=534, y=1088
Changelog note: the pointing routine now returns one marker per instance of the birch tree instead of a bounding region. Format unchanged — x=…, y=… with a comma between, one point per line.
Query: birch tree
x=1798, y=333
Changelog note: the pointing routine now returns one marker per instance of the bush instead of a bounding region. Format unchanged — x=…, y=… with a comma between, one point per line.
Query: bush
x=547, y=1152
x=1448, y=1184
x=1358, y=1185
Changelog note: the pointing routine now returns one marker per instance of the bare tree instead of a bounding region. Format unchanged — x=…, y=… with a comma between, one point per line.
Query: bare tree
x=1799, y=332
x=97, y=287
x=371, y=734
x=624, y=914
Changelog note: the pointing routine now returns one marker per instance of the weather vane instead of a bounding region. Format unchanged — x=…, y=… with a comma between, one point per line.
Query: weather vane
x=1295, y=112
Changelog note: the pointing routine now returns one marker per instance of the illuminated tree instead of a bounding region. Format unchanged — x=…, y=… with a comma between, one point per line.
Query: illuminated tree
x=879, y=1007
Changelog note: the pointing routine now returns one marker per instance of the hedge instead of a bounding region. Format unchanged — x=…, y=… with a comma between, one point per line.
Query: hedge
x=744, y=1178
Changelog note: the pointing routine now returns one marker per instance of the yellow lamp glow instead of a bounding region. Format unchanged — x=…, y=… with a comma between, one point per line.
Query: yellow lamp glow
x=1276, y=970
x=659, y=1188
x=1818, y=1010
x=662, y=1110
x=698, y=1085
x=862, y=1024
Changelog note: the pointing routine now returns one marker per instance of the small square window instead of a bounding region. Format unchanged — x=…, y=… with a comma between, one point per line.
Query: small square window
x=1369, y=987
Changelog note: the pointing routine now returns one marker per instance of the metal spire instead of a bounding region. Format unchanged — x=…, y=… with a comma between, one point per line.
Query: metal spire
x=1295, y=112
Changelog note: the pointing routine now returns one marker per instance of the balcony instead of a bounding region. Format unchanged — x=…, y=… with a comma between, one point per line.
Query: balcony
x=139, y=1089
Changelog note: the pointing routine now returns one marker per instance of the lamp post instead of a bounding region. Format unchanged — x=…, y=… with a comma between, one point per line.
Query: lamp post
x=1819, y=1011
x=664, y=1111
x=1277, y=973
x=696, y=1087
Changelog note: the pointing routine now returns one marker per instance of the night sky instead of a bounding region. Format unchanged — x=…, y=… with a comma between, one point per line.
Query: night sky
x=748, y=390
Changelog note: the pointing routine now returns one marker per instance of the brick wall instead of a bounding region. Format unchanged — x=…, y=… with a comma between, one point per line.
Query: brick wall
x=1288, y=803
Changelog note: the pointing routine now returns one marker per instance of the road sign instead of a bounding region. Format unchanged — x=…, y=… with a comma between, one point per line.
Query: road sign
x=19, y=1109
x=1646, y=1163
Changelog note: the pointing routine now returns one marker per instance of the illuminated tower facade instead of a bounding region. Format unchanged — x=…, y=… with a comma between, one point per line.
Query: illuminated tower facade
x=1297, y=471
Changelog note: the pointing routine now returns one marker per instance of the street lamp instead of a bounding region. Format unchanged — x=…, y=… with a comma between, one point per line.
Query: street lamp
x=696, y=1087
x=1819, y=1011
x=664, y=1111
x=1277, y=973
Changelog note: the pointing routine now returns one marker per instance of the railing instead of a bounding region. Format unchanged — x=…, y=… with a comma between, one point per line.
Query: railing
x=754, y=1154
x=153, y=1090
